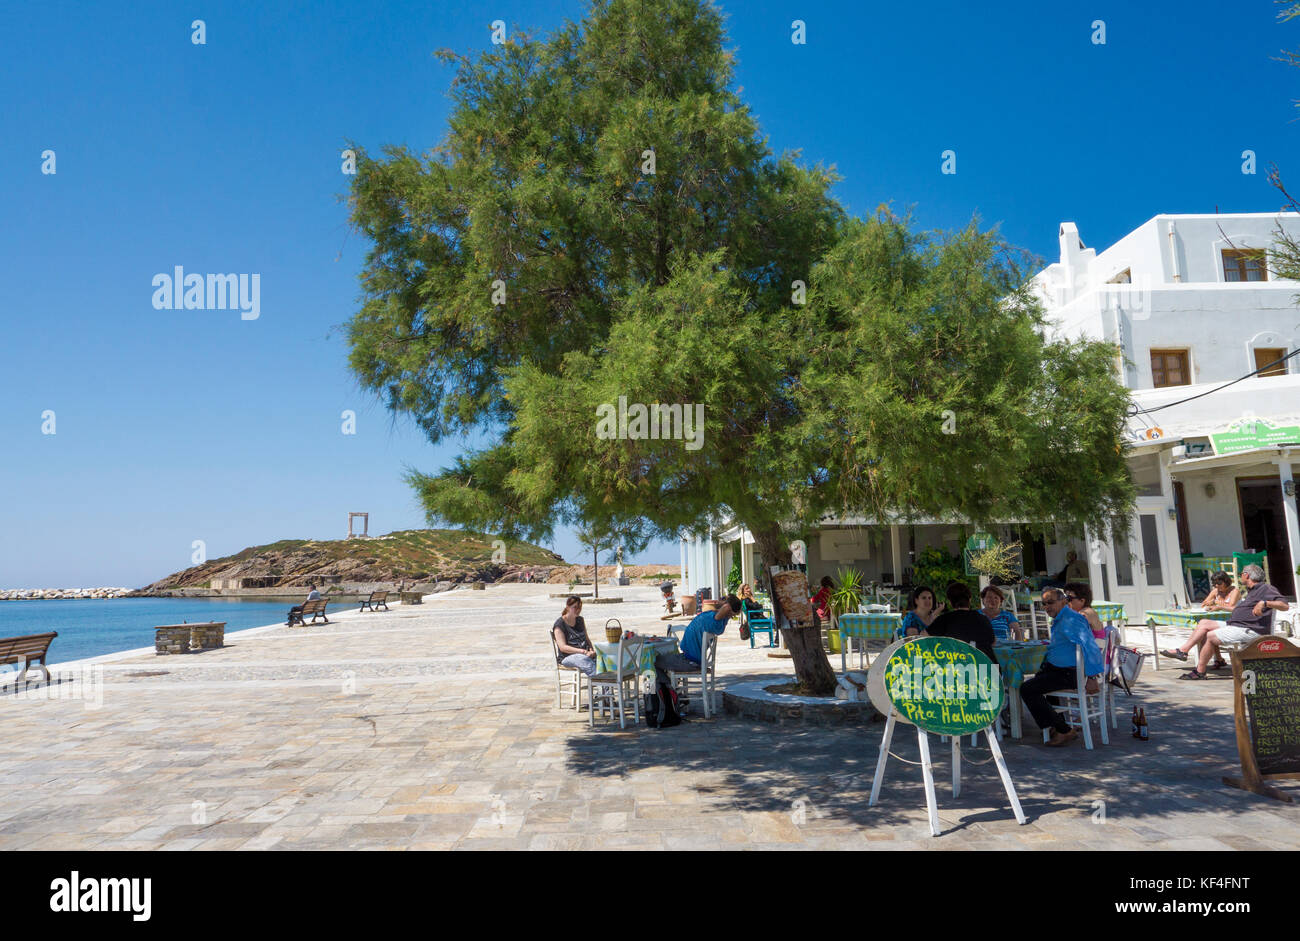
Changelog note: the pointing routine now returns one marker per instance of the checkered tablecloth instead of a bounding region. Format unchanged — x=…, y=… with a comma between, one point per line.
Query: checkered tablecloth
x=607, y=654
x=1185, y=617
x=877, y=625
x=1110, y=612
x=1020, y=659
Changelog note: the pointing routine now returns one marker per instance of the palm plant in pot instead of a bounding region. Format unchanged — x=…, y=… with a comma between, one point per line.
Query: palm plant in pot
x=847, y=596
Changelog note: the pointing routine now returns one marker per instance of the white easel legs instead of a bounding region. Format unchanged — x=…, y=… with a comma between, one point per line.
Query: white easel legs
x=880, y=762
x=1006, y=778
x=927, y=772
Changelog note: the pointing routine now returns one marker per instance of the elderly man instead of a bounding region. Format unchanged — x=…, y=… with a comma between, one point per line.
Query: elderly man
x=1252, y=617
x=1069, y=628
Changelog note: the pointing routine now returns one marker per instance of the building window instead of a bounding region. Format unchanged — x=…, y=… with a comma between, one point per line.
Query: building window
x=1244, y=265
x=1169, y=368
x=1268, y=361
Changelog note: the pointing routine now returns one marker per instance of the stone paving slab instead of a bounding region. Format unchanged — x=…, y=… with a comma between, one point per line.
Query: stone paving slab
x=436, y=728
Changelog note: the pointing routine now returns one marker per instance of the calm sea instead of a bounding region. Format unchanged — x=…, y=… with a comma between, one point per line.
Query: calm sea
x=88, y=628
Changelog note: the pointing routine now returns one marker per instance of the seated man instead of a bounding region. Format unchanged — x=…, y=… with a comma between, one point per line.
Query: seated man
x=1252, y=617
x=313, y=594
x=669, y=601
x=692, y=643
x=1069, y=628
x=961, y=622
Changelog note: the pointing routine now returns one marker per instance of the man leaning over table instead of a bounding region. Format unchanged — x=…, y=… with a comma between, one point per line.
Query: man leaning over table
x=1252, y=617
x=692, y=643
x=1069, y=628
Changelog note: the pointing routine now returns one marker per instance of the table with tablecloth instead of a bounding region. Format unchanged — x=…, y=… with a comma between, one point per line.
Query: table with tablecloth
x=876, y=625
x=1109, y=612
x=607, y=654
x=1183, y=617
x=1017, y=660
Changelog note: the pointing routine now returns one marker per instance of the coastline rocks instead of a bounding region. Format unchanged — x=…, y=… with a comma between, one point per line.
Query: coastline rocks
x=55, y=594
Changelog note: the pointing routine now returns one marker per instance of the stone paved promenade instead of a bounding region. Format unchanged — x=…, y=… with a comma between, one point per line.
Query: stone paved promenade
x=435, y=727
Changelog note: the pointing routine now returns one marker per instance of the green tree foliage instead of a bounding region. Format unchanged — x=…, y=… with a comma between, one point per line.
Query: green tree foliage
x=913, y=379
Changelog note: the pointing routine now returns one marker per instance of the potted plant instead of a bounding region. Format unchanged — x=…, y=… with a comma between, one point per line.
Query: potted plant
x=845, y=599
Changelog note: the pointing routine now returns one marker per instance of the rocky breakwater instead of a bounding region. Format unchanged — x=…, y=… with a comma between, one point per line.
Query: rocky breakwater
x=57, y=594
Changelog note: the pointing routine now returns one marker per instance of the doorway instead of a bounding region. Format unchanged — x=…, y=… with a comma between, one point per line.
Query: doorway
x=1263, y=527
x=1132, y=565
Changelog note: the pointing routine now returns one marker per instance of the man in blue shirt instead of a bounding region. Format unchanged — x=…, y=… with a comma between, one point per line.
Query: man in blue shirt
x=692, y=642
x=1069, y=628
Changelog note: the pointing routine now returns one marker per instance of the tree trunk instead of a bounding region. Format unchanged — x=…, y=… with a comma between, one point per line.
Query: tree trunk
x=811, y=667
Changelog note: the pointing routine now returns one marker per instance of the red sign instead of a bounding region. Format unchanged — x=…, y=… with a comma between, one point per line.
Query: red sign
x=1269, y=646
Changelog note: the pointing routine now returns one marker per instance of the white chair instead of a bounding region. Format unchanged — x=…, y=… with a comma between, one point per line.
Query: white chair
x=1080, y=706
x=569, y=678
x=705, y=677
x=612, y=687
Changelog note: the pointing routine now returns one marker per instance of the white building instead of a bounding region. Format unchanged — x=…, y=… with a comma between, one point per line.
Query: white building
x=1193, y=303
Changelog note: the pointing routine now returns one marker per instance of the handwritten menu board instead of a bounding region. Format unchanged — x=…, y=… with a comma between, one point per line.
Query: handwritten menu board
x=1274, y=712
x=1266, y=694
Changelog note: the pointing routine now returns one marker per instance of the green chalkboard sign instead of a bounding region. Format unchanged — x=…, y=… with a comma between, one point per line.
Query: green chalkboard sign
x=944, y=686
x=1266, y=680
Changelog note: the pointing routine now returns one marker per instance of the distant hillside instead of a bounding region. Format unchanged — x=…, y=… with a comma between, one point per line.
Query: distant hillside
x=414, y=555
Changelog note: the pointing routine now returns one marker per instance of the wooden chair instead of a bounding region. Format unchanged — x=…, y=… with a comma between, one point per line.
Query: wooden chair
x=761, y=623
x=1081, y=707
x=706, y=676
x=611, y=687
x=377, y=600
x=565, y=676
x=27, y=649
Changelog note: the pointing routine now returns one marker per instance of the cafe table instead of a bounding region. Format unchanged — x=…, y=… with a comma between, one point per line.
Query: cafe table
x=1183, y=617
x=874, y=625
x=607, y=654
x=1018, y=659
x=1109, y=612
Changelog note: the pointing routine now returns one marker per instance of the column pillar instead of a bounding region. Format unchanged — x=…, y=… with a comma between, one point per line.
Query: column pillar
x=1289, y=514
x=681, y=543
x=896, y=553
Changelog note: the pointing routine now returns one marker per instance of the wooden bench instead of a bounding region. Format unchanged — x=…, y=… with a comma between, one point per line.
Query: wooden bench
x=316, y=609
x=27, y=648
x=377, y=600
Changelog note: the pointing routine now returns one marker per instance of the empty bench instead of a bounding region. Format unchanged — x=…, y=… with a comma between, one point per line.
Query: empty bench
x=377, y=600
x=316, y=609
x=28, y=648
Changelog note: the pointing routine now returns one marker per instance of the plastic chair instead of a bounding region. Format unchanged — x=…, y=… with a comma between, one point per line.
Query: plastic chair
x=1081, y=707
x=706, y=677
x=611, y=687
x=565, y=676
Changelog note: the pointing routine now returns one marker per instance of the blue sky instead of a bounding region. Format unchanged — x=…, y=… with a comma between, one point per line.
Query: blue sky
x=182, y=425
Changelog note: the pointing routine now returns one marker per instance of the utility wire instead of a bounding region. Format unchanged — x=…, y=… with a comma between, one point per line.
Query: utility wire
x=1135, y=409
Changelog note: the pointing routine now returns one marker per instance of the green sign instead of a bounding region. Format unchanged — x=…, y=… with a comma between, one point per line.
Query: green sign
x=1246, y=435
x=944, y=686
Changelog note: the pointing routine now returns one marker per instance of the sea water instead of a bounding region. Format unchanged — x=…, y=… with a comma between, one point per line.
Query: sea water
x=91, y=627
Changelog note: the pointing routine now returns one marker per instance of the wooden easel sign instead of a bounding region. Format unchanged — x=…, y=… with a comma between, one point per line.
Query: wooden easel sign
x=1266, y=703
x=942, y=686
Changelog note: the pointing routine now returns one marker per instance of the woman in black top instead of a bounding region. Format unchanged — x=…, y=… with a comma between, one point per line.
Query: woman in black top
x=570, y=632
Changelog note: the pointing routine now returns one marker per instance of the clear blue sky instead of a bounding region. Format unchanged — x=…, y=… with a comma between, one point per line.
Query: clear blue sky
x=174, y=426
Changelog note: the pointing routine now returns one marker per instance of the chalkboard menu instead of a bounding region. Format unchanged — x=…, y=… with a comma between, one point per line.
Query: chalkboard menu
x=1274, y=712
x=1266, y=681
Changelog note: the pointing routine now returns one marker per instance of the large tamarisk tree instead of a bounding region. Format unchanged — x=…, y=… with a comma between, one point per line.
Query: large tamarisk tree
x=603, y=229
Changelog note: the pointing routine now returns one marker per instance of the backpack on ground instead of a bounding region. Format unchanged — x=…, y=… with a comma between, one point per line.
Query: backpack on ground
x=661, y=708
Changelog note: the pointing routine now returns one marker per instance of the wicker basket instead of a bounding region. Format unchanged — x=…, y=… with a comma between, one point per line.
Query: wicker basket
x=613, y=630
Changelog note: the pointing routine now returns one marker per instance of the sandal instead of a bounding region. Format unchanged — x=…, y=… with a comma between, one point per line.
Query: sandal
x=1174, y=654
x=1217, y=664
x=1192, y=675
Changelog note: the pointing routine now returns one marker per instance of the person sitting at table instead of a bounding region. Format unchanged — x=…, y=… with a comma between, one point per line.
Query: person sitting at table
x=1074, y=571
x=921, y=610
x=1252, y=617
x=748, y=603
x=821, y=601
x=575, y=649
x=1005, y=625
x=1078, y=595
x=1223, y=594
x=691, y=648
x=1069, y=630
x=960, y=622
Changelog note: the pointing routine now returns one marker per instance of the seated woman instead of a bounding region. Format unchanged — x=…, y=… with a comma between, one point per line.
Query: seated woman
x=570, y=631
x=1005, y=625
x=1223, y=596
x=1079, y=597
x=921, y=612
x=821, y=601
x=748, y=603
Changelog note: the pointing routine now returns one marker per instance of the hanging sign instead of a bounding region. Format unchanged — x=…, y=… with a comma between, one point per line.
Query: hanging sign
x=1254, y=433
